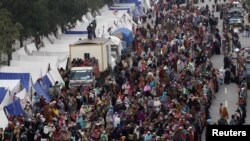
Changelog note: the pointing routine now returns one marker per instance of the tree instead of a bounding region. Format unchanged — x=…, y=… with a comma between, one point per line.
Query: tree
x=96, y=4
x=55, y=16
x=9, y=32
x=21, y=11
x=39, y=20
x=43, y=17
x=71, y=11
x=109, y=2
x=32, y=15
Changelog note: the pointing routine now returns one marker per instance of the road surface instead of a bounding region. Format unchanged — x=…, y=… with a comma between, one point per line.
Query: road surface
x=227, y=93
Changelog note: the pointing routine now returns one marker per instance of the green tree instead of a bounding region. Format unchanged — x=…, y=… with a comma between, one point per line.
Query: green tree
x=42, y=17
x=96, y=4
x=9, y=32
x=110, y=2
x=21, y=11
x=71, y=11
x=55, y=16
x=32, y=15
x=39, y=18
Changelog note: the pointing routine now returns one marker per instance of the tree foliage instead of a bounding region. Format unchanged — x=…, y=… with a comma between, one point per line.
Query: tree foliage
x=9, y=31
x=71, y=11
x=33, y=15
x=22, y=19
x=42, y=17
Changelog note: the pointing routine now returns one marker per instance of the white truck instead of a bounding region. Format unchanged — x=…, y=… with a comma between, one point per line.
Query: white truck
x=81, y=76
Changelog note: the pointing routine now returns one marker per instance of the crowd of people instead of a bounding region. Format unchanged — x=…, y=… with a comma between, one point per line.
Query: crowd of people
x=162, y=92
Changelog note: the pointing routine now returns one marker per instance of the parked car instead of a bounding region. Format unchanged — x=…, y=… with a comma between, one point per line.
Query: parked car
x=237, y=23
x=235, y=11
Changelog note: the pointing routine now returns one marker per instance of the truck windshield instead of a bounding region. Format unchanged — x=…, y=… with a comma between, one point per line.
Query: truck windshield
x=80, y=75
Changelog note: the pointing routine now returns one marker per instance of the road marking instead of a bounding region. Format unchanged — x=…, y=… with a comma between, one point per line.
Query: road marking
x=225, y=103
x=225, y=90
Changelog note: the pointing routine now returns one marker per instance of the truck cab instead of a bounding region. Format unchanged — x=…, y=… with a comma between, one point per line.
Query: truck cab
x=81, y=76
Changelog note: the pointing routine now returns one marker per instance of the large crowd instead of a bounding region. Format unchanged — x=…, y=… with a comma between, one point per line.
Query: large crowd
x=161, y=92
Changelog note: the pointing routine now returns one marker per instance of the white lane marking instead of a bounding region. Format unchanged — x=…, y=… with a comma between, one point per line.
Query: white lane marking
x=225, y=90
x=225, y=103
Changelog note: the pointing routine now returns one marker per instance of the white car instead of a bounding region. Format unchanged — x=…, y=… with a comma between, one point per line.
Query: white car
x=81, y=76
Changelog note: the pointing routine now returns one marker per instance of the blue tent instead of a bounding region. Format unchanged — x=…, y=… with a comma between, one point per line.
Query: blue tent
x=42, y=90
x=137, y=12
x=46, y=81
x=3, y=92
x=137, y=2
x=42, y=87
x=140, y=11
x=127, y=35
x=15, y=108
x=23, y=77
x=119, y=8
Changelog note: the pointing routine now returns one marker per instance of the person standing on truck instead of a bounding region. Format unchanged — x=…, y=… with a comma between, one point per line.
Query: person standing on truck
x=89, y=29
x=93, y=27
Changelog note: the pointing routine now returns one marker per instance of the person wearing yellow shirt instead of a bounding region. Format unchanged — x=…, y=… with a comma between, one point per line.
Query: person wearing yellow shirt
x=55, y=111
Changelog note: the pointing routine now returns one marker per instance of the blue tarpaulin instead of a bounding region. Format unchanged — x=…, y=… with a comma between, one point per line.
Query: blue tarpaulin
x=118, y=8
x=127, y=35
x=46, y=81
x=23, y=77
x=3, y=92
x=15, y=108
x=137, y=2
x=137, y=12
x=42, y=91
x=140, y=11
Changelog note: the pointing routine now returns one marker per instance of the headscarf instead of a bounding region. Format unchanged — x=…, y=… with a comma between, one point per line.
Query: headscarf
x=164, y=96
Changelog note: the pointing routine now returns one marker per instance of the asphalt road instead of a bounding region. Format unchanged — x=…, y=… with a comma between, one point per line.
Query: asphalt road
x=227, y=94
